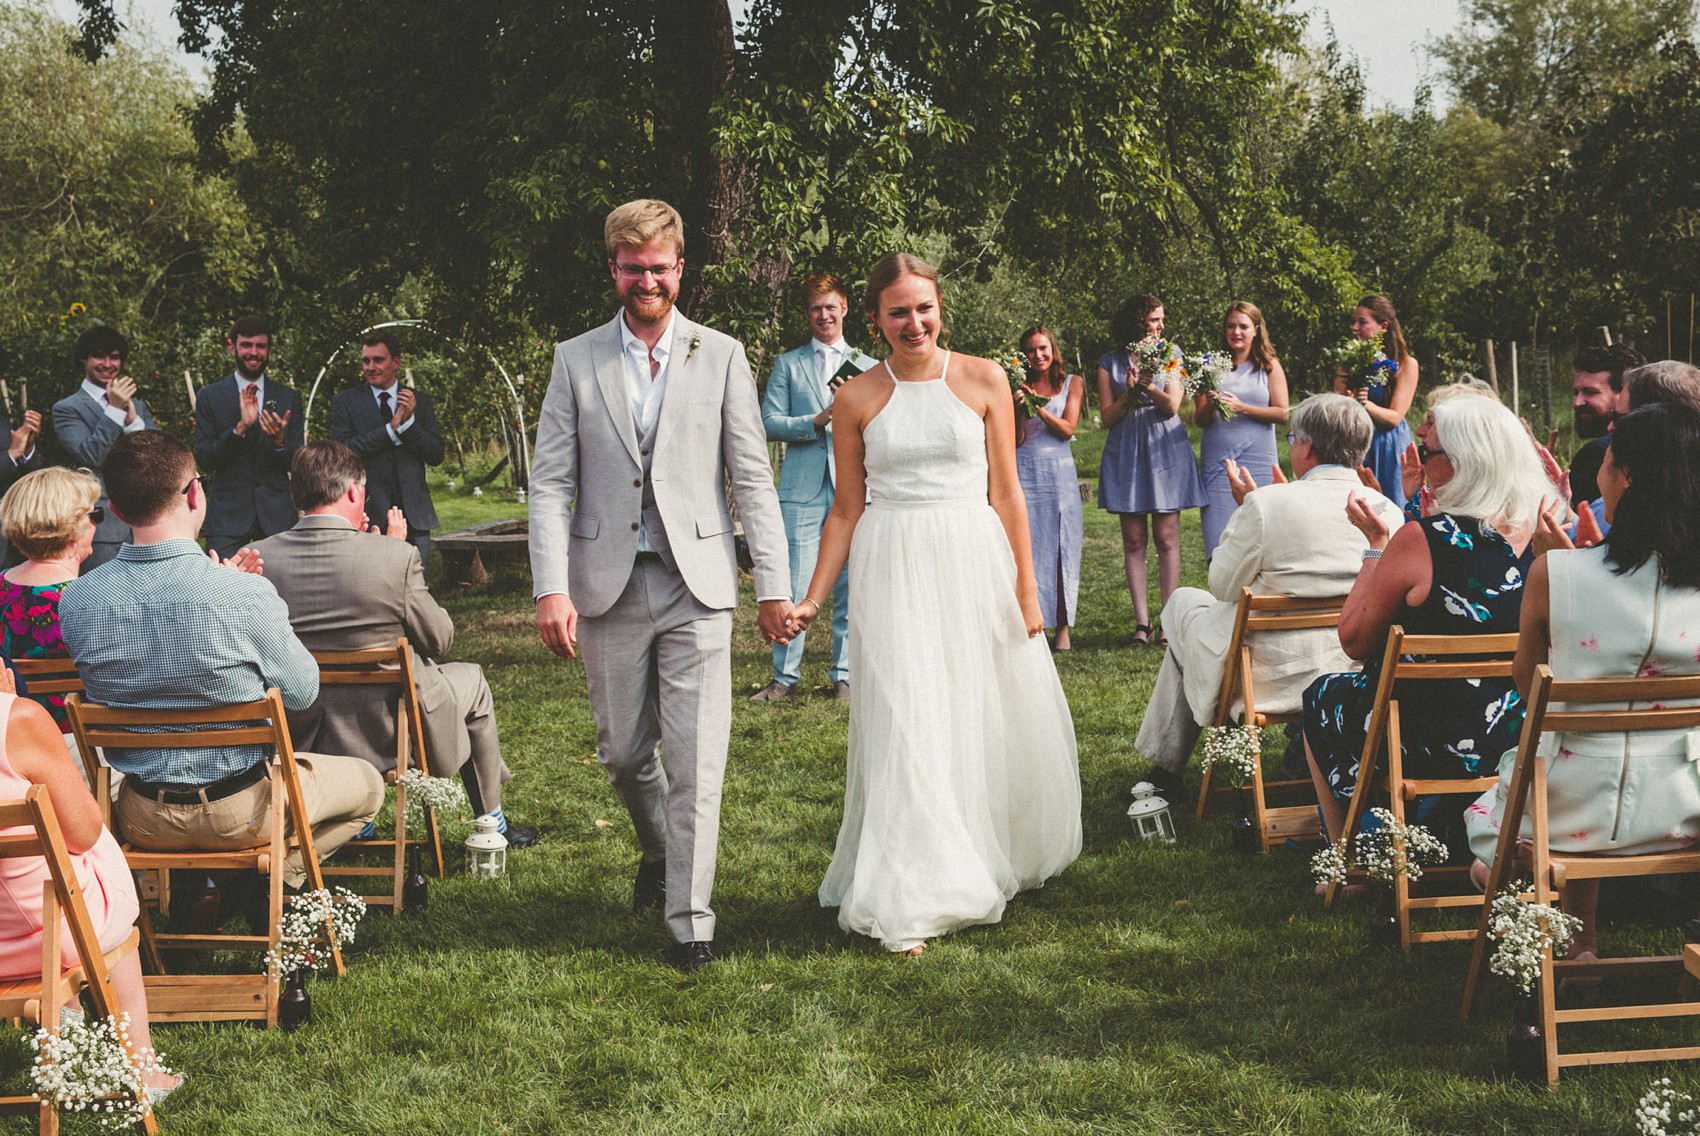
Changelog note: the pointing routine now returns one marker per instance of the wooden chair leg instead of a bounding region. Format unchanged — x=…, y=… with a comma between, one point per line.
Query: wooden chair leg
x=152, y=958
x=435, y=838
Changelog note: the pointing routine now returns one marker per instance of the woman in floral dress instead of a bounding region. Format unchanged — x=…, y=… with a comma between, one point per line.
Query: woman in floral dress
x=1459, y=571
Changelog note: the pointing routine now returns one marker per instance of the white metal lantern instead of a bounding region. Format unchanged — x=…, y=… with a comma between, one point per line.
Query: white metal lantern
x=1150, y=814
x=486, y=850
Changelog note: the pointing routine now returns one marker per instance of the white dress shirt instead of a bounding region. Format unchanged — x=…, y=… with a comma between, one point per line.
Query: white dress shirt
x=98, y=393
x=647, y=391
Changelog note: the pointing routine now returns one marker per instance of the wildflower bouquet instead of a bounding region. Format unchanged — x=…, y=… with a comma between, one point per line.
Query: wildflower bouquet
x=1156, y=357
x=1364, y=361
x=301, y=935
x=1235, y=751
x=1204, y=374
x=1523, y=932
x=439, y=794
x=1385, y=853
x=1015, y=366
x=86, y=1067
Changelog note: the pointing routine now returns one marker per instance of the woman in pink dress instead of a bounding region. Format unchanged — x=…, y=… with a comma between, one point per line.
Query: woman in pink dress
x=31, y=753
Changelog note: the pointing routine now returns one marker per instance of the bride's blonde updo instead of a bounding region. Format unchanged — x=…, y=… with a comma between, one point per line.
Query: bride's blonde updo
x=891, y=267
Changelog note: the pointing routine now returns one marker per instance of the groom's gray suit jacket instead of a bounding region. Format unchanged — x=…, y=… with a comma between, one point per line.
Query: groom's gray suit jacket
x=587, y=475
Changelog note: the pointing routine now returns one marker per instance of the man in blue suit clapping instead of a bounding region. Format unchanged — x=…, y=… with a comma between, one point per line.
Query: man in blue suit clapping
x=798, y=411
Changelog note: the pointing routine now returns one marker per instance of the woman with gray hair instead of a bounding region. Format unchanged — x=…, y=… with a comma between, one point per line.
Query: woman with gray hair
x=1459, y=571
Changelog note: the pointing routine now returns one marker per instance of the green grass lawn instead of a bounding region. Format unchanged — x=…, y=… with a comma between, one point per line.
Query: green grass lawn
x=1148, y=989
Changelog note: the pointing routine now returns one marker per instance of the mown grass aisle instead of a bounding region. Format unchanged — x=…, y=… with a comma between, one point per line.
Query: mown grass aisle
x=1160, y=990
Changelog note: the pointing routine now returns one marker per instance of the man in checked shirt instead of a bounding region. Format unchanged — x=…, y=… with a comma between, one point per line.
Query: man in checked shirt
x=166, y=626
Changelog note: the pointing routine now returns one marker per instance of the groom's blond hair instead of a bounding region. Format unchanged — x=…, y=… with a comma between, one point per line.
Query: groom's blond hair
x=636, y=223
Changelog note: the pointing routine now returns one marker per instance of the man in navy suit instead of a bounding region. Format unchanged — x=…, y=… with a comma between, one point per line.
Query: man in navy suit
x=394, y=430
x=94, y=416
x=797, y=410
x=247, y=429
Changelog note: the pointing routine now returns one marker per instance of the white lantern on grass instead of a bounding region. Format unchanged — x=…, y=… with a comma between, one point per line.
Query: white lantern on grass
x=1150, y=814
x=486, y=850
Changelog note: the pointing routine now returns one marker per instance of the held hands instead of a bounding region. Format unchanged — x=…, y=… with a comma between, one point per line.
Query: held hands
x=242, y=560
x=803, y=613
x=1365, y=520
x=23, y=438
x=777, y=620
x=404, y=400
x=557, y=624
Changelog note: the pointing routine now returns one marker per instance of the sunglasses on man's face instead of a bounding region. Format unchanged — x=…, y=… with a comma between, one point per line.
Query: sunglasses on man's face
x=97, y=515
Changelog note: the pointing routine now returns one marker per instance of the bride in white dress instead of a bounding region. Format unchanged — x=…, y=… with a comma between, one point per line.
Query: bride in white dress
x=963, y=785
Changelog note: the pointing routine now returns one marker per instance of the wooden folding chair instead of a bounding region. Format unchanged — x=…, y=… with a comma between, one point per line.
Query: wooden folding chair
x=54, y=676
x=212, y=997
x=1296, y=819
x=1551, y=871
x=391, y=667
x=37, y=1000
x=1431, y=657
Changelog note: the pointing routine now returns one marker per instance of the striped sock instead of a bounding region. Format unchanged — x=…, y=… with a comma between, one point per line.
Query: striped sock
x=501, y=821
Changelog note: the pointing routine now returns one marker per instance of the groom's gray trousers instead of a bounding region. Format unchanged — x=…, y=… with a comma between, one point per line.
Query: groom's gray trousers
x=659, y=668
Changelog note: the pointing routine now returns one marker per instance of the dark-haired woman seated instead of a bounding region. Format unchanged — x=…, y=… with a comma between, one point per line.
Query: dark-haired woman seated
x=1629, y=606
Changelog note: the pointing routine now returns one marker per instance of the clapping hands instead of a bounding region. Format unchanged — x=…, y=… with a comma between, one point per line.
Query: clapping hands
x=1366, y=521
x=24, y=436
x=395, y=524
x=1551, y=533
x=243, y=560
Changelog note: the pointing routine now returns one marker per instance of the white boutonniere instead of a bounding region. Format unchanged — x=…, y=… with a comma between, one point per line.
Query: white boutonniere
x=696, y=342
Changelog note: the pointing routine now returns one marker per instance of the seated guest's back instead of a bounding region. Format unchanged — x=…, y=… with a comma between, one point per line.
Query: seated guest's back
x=1629, y=606
x=1458, y=571
x=163, y=626
x=349, y=589
x=50, y=516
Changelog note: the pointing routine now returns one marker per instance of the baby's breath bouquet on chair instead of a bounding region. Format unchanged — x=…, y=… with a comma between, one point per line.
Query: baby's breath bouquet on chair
x=1384, y=853
x=1522, y=933
x=302, y=941
x=439, y=794
x=1664, y=1111
x=1233, y=752
x=86, y=1068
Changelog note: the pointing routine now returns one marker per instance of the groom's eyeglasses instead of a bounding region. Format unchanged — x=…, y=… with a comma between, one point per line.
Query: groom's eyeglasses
x=639, y=271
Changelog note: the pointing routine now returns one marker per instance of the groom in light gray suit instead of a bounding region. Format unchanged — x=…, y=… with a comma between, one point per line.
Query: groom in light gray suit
x=647, y=421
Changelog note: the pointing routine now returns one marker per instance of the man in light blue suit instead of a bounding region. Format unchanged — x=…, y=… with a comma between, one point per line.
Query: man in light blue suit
x=798, y=411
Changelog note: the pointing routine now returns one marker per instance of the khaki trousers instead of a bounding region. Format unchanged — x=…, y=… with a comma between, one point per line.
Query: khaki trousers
x=340, y=793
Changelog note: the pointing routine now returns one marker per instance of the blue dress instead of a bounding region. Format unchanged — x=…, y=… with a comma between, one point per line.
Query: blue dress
x=1148, y=466
x=1045, y=465
x=1251, y=444
x=1449, y=727
x=1387, y=449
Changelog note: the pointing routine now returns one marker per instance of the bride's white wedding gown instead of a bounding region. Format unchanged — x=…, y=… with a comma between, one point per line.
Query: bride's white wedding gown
x=963, y=784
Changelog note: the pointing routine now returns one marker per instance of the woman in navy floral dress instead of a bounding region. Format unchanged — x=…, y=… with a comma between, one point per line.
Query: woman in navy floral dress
x=1459, y=571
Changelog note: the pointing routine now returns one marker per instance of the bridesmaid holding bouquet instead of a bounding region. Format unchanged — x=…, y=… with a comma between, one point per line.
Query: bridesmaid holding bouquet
x=1238, y=417
x=1148, y=468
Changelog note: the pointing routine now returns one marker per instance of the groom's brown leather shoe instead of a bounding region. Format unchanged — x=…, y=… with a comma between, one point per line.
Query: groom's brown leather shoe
x=649, y=893
x=693, y=958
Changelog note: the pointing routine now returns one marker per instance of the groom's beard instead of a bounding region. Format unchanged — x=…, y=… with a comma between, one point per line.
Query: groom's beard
x=649, y=309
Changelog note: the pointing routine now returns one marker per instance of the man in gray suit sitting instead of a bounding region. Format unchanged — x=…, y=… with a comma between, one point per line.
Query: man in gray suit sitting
x=1288, y=539
x=349, y=588
x=93, y=417
x=647, y=421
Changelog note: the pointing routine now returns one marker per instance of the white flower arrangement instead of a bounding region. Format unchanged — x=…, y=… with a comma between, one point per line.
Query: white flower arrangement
x=1384, y=854
x=1204, y=375
x=301, y=933
x=1235, y=752
x=1523, y=932
x=439, y=794
x=1155, y=356
x=84, y=1068
x=1663, y=1111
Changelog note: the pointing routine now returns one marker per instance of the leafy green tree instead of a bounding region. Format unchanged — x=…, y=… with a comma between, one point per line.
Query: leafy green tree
x=106, y=216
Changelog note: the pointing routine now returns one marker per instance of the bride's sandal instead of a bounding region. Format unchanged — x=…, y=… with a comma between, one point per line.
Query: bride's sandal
x=1142, y=635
